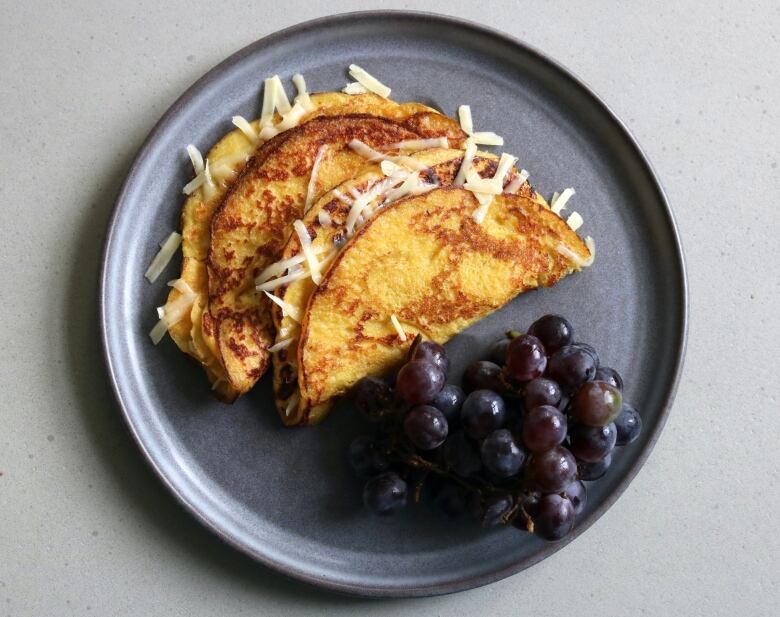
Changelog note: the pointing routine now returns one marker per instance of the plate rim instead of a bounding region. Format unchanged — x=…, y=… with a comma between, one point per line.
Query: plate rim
x=458, y=583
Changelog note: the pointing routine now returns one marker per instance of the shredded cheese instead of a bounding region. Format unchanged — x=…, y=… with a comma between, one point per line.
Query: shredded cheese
x=468, y=158
x=368, y=81
x=270, y=86
x=160, y=312
x=485, y=200
x=313, y=177
x=370, y=154
x=292, y=404
x=163, y=257
x=216, y=383
x=288, y=310
x=303, y=96
x=389, y=168
x=575, y=221
x=466, y=123
x=476, y=184
x=276, y=283
x=354, y=87
x=398, y=328
x=176, y=310
x=289, y=119
x=487, y=138
x=341, y=197
x=243, y=125
x=578, y=261
x=208, y=187
x=412, y=185
x=559, y=203
x=277, y=268
x=311, y=260
x=282, y=344
x=197, y=165
x=413, y=145
x=324, y=218
x=516, y=182
x=197, y=159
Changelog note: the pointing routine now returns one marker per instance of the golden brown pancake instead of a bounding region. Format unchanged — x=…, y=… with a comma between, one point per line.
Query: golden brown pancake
x=253, y=222
x=425, y=260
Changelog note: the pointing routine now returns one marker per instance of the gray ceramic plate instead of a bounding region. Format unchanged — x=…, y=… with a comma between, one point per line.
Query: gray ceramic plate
x=286, y=496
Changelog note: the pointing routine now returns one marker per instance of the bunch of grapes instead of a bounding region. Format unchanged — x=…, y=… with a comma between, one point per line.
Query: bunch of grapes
x=513, y=445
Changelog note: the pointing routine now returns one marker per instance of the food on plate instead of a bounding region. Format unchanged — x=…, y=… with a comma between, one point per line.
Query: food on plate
x=327, y=225
x=331, y=230
x=522, y=464
x=427, y=261
x=222, y=165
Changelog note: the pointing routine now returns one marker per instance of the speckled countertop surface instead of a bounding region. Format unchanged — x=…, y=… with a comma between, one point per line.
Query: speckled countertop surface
x=85, y=528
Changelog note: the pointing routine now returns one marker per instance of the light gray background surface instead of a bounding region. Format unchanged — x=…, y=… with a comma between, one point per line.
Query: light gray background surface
x=85, y=528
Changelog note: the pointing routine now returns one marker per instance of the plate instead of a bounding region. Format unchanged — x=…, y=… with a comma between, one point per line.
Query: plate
x=286, y=497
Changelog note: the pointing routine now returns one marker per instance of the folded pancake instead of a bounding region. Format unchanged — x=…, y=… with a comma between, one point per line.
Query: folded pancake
x=326, y=226
x=427, y=262
x=255, y=217
x=227, y=157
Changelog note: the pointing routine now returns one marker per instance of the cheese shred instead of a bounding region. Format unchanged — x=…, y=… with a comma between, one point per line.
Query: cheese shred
x=303, y=95
x=468, y=157
x=353, y=88
x=466, y=123
x=398, y=328
x=163, y=257
x=310, y=188
x=368, y=81
x=559, y=203
x=311, y=259
x=288, y=310
x=243, y=125
x=279, y=345
x=575, y=221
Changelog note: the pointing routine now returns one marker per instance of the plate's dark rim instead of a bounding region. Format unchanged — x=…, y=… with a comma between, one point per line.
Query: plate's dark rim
x=362, y=590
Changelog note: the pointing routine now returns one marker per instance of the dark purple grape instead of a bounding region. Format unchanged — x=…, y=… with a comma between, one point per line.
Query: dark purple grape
x=482, y=375
x=431, y=352
x=555, y=517
x=426, y=427
x=610, y=376
x=497, y=353
x=451, y=499
x=590, y=349
x=594, y=471
x=482, y=413
x=501, y=455
x=578, y=496
x=419, y=382
x=553, y=470
x=461, y=455
x=596, y=403
x=628, y=425
x=531, y=503
x=372, y=396
x=385, y=493
x=366, y=458
x=592, y=443
x=553, y=330
x=526, y=358
x=541, y=391
x=449, y=401
x=489, y=510
x=544, y=427
x=571, y=367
